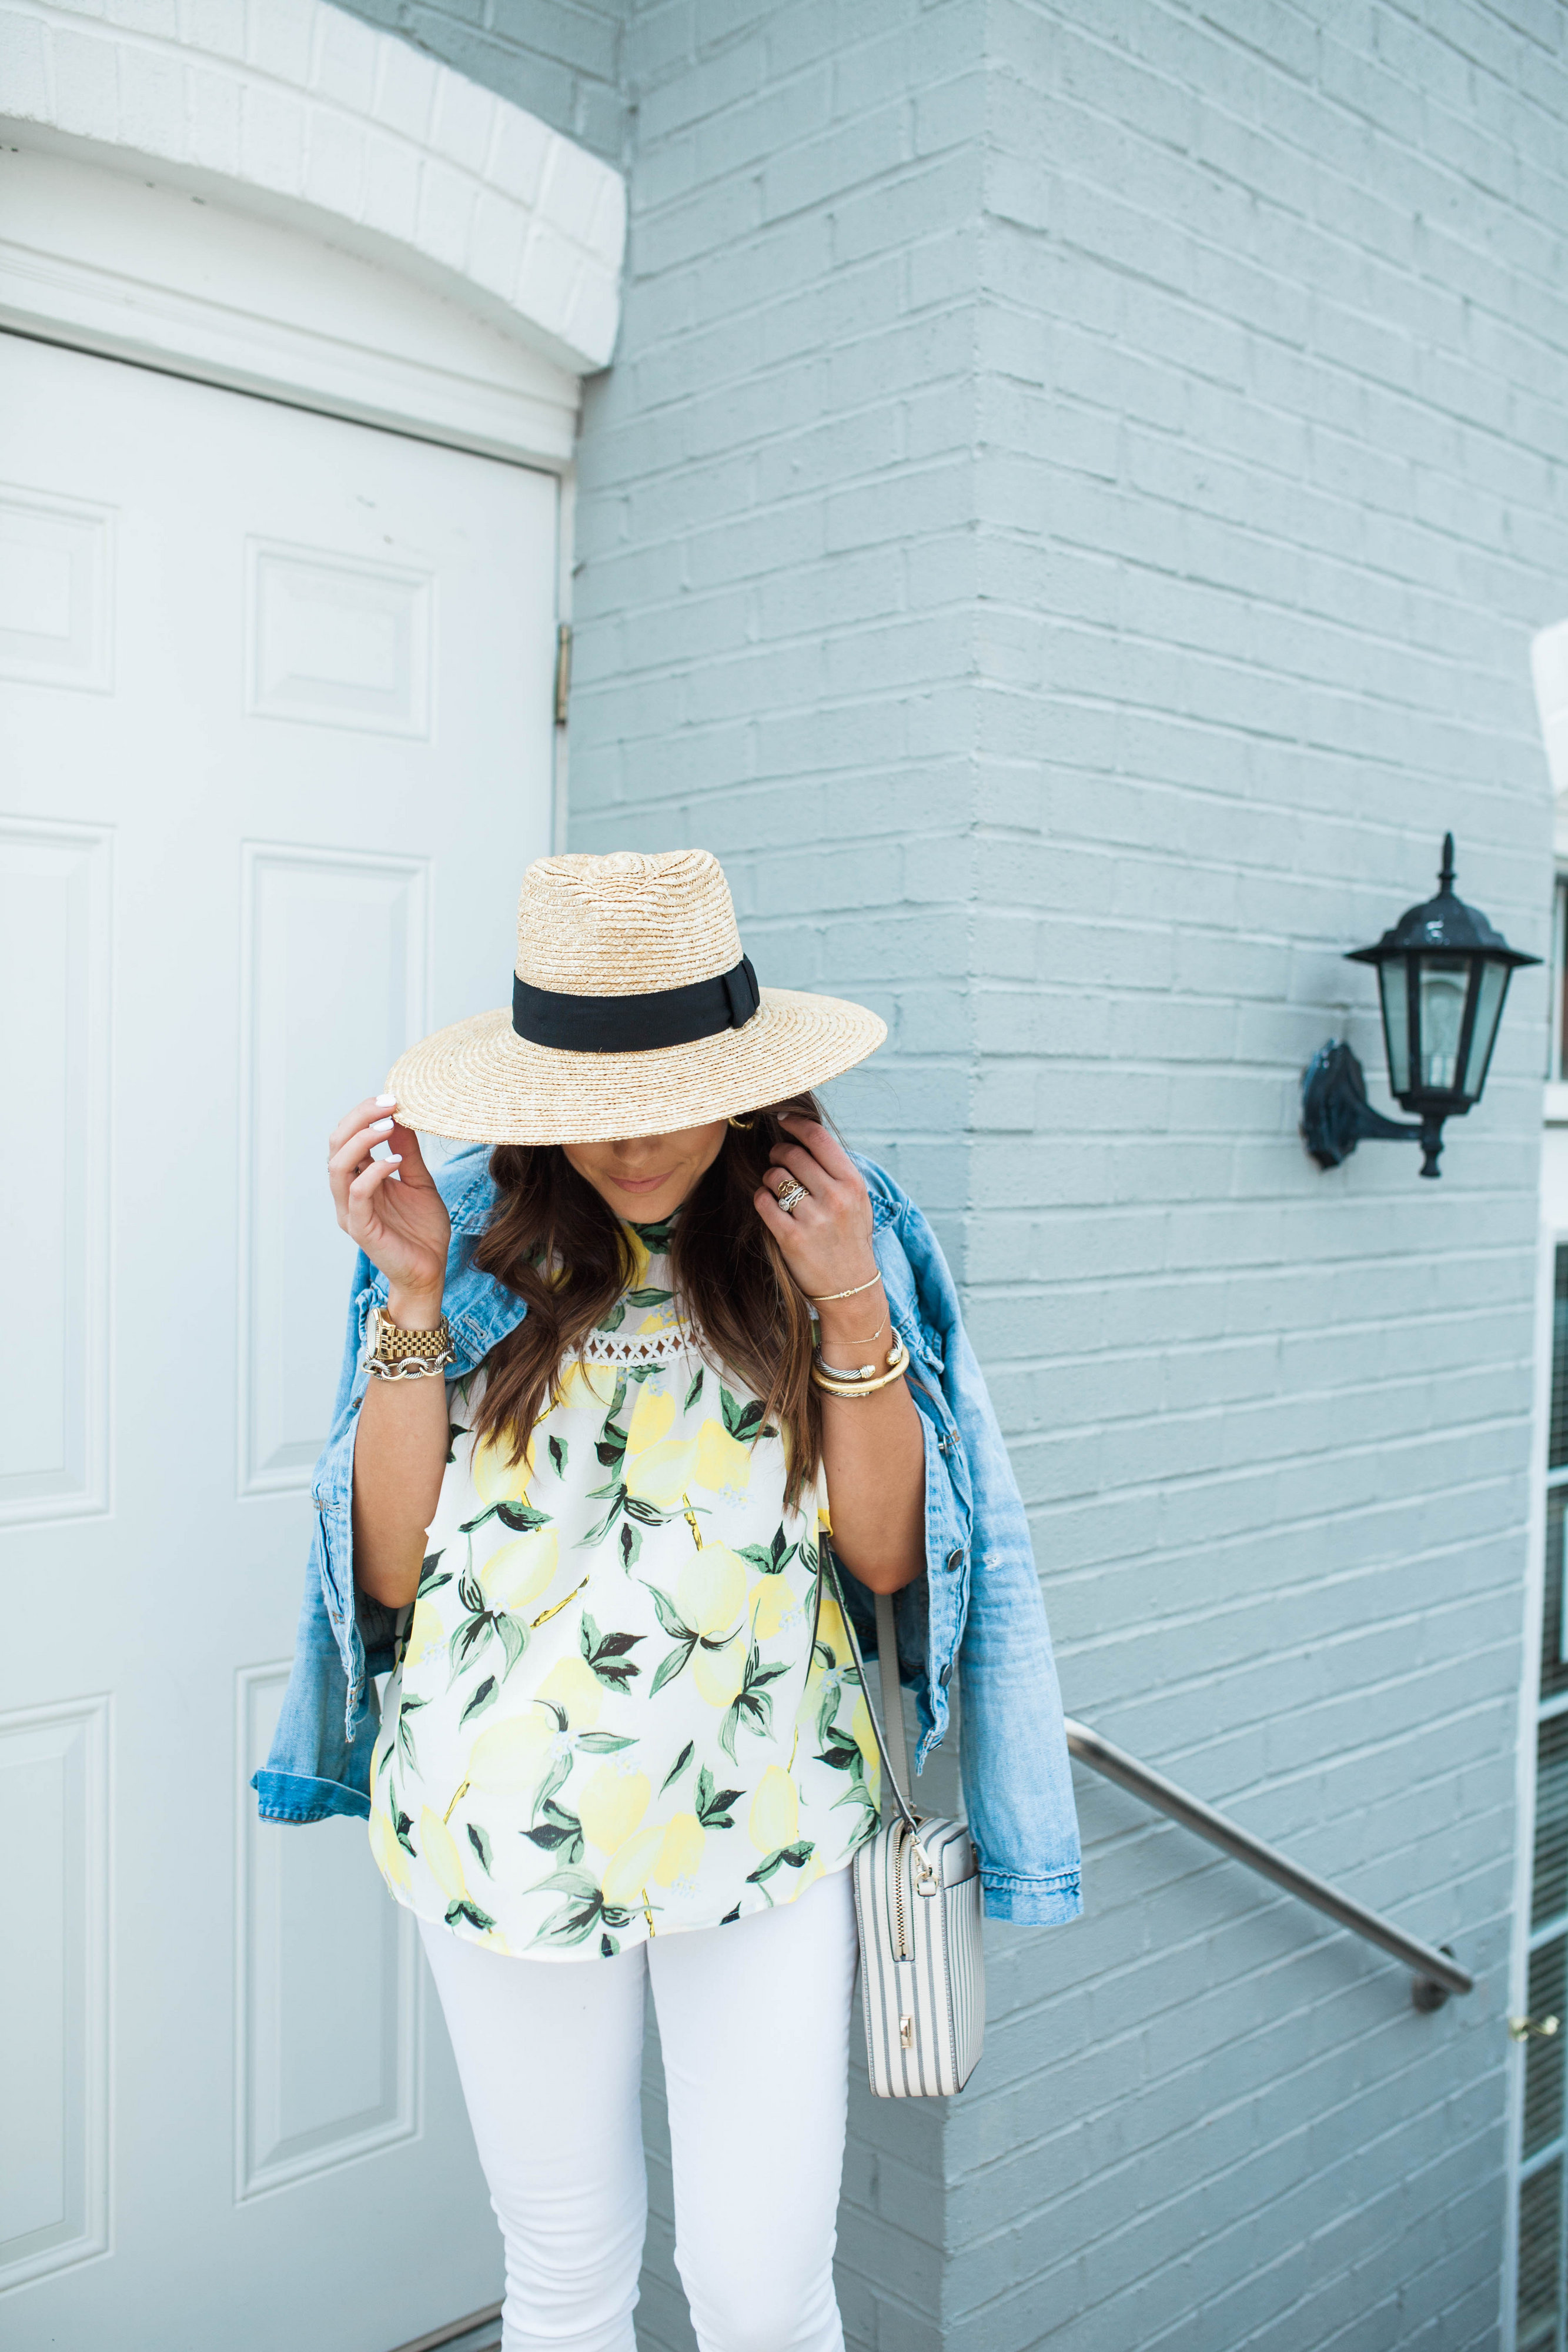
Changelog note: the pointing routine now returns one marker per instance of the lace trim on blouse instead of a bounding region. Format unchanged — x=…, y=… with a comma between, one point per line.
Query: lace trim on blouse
x=641, y=1347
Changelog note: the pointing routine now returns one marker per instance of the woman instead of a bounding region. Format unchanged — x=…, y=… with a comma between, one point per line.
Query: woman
x=604, y=1387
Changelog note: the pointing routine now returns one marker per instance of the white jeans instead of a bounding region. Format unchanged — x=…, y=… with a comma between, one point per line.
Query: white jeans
x=754, y=2020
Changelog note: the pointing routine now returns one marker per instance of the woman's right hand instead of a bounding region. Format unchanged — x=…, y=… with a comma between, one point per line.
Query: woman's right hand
x=402, y=1228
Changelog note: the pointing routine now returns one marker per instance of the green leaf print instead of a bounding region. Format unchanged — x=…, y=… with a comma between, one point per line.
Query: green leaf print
x=558, y=1453
x=410, y=1706
x=610, y=1443
x=428, y=1579
x=521, y=1517
x=649, y=1298
x=472, y=1913
x=695, y=1390
x=596, y=1536
x=742, y=1420
x=606, y=1653
x=629, y=1544
x=559, y=1832
x=557, y=1776
x=713, y=1804
x=453, y=1431
x=769, y=1559
x=402, y=1828
x=794, y=1857
x=669, y=1616
x=483, y=1697
x=603, y=1743
x=614, y=1319
x=681, y=1634
x=641, y=1372
x=751, y=1703
x=513, y=1639
x=480, y=1841
x=671, y=1664
x=655, y=1238
x=679, y=1766
x=583, y=1911
x=608, y=1947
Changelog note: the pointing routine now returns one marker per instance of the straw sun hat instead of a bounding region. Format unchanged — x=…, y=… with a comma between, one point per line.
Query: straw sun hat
x=634, y=1012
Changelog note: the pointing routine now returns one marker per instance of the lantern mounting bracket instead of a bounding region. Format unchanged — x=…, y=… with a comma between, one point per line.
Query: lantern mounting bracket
x=1442, y=977
x=1336, y=1115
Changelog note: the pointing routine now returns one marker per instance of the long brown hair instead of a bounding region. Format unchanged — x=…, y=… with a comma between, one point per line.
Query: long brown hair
x=558, y=1243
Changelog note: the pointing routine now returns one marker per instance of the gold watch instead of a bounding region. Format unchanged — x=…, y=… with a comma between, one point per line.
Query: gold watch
x=395, y=1354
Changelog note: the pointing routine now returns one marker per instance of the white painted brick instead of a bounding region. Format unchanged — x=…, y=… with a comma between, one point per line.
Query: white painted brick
x=85, y=85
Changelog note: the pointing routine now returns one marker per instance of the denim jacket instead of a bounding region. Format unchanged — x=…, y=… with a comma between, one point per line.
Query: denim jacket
x=977, y=1607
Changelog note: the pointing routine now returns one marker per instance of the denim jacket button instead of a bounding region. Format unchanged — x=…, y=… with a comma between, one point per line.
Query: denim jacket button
x=955, y=1558
x=946, y=1676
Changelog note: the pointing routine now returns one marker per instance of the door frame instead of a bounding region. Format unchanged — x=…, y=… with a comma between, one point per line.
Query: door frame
x=335, y=221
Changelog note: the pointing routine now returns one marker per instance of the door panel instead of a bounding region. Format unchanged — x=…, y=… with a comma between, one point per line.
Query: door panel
x=276, y=699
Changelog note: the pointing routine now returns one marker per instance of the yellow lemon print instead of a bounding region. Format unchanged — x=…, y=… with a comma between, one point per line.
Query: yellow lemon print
x=639, y=1251
x=710, y=1590
x=389, y=1858
x=864, y=1737
x=511, y=1758
x=718, y=1674
x=722, y=1460
x=681, y=1850
x=439, y=1847
x=830, y=1629
x=630, y=1867
x=661, y=1319
x=772, y=1603
x=518, y=1573
x=663, y=1474
x=573, y=1686
x=587, y=1384
x=613, y=1803
x=651, y=1418
x=775, y=1817
x=498, y=1478
x=427, y=1634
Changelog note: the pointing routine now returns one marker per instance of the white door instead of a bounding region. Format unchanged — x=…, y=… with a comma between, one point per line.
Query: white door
x=276, y=701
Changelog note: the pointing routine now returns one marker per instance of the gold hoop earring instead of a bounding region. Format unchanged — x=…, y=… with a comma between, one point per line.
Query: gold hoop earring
x=745, y=1125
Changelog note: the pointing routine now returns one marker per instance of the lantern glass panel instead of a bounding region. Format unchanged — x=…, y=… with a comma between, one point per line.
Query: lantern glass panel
x=1489, y=1012
x=1394, y=988
x=1444, y=986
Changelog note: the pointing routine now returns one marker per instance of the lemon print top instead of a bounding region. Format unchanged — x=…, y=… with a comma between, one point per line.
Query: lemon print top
x=624, y=1705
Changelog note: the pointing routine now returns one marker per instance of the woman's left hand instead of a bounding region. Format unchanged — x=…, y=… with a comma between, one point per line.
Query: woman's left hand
x=826, y=1237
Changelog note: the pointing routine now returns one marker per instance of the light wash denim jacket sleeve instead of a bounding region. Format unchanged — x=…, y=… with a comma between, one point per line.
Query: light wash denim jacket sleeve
x=977, y=1609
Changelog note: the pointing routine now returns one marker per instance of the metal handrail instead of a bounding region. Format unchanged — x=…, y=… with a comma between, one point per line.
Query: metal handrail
x=1437, y=1972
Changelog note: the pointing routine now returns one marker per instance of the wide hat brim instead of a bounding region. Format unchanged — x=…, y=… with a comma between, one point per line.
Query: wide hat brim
x=480, y=1082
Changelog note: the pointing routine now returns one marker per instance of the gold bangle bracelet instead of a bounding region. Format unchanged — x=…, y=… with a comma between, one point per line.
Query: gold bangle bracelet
x=897, y=1363
x=826, y=1298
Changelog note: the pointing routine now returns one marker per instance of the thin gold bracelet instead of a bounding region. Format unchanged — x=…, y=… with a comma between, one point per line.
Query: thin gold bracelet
x=896, y=1363
x=826, y=1298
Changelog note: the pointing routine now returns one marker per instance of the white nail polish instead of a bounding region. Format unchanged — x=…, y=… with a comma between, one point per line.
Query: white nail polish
x=384, y=1102
x=394, y=1159
x=382, y=1126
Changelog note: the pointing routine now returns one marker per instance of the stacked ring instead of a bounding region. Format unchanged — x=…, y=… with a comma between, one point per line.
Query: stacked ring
x=792, y=1195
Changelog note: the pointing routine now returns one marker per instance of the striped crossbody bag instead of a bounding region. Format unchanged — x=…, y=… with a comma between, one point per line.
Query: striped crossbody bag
x=917, y=1905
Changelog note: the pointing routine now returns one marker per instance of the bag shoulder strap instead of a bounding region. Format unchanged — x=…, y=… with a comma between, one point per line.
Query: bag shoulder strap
x=892, y=1708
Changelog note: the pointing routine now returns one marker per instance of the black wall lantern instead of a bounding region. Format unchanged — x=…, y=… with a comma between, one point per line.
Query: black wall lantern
x=1443, y=974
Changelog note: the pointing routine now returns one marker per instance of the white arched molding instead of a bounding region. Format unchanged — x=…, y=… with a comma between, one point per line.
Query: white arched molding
x=271, y=194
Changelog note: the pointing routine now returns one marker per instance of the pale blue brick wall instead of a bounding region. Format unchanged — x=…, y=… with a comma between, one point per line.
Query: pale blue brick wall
x=1270, y=498
x=1065, y=524
x=560, y=58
